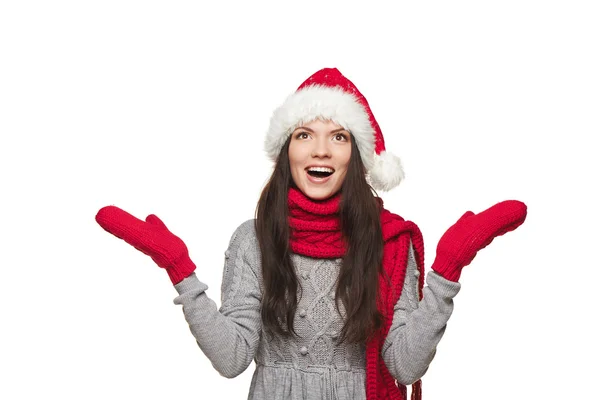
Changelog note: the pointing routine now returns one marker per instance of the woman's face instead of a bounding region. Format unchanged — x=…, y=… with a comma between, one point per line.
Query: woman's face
x=319, y=155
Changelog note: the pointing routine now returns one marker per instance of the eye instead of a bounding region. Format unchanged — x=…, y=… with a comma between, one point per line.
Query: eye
x=302, y=135
x=341, y=137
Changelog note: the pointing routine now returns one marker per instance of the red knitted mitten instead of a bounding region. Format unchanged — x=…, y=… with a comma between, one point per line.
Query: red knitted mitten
x=151, y=238
x=472, y=232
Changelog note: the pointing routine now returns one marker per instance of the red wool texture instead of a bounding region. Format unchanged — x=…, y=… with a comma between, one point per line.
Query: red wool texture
x=315, y=232
x=472, y=232
x=151, y=237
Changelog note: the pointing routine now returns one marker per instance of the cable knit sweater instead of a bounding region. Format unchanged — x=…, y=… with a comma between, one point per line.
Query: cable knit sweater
x=314, y=365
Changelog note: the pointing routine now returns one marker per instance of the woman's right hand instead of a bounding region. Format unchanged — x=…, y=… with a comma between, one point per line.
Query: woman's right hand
x=152, y=238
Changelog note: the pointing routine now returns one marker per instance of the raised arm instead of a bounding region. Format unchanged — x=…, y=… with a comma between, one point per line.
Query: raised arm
x=229, y=336
x=417, y=327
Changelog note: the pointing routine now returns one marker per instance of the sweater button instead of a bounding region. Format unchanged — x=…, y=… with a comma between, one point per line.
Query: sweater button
x=302, y=313
x=303, y=350
x=417, y=273
x=227, y=254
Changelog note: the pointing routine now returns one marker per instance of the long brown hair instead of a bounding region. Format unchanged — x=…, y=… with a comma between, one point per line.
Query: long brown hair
x=358, y=278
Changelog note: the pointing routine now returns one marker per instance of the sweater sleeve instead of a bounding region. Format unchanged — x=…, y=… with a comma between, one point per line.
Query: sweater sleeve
x=418, y=326
x=229, y=336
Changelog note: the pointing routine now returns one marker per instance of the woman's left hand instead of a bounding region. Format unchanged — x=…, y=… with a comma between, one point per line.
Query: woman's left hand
x=472, y=232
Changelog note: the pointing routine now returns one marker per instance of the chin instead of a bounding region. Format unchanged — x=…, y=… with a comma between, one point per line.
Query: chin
x=319, y=194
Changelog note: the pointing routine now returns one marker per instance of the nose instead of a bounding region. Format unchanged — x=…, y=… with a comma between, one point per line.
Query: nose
x=321, y=148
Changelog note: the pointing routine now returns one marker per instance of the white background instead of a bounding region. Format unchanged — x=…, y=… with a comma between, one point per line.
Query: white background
x=162, y=107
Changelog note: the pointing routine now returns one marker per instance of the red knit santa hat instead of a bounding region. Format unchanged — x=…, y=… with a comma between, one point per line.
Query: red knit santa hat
x=329, y=95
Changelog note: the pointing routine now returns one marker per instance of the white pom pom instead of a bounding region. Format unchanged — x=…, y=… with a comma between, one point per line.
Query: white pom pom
x=387, y=172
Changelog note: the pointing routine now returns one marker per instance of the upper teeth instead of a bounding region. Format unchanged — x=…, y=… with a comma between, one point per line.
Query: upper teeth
x=321, y=169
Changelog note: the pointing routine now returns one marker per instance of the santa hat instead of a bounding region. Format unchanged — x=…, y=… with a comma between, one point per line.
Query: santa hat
x=329, y=95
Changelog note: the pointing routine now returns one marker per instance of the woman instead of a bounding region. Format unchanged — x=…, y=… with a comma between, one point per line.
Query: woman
x=324, y=289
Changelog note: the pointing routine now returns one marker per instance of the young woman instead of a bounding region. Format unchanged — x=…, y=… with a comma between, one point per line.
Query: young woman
x=324, y=290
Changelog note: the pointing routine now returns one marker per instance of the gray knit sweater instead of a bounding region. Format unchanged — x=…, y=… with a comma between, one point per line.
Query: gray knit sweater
x=313, y=365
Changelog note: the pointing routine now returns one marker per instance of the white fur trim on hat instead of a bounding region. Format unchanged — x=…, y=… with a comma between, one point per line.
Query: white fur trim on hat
x=325, y=103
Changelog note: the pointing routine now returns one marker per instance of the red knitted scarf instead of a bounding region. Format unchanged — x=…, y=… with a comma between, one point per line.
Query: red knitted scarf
x=315, y=232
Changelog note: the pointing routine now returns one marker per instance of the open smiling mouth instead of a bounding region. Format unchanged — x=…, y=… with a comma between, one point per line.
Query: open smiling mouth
x=320, y=172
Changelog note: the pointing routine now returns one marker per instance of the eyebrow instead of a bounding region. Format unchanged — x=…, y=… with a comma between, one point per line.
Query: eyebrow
x=310, y=130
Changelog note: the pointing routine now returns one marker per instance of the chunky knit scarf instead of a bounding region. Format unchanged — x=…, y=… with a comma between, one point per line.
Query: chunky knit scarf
x=315, y=232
